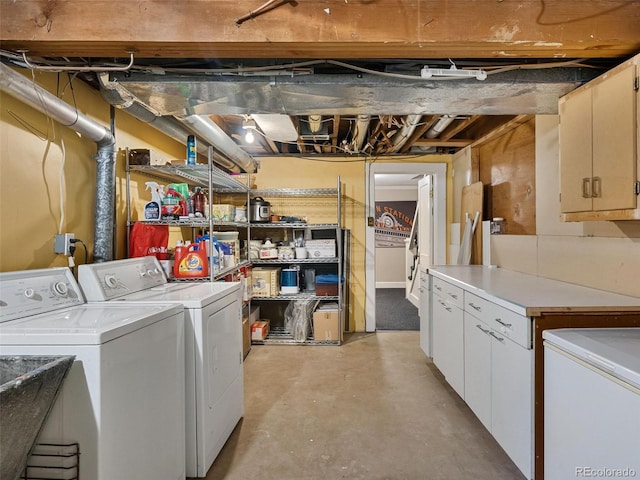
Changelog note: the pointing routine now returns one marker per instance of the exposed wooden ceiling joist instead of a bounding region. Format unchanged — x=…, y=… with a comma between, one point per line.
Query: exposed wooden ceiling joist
x=327, y=29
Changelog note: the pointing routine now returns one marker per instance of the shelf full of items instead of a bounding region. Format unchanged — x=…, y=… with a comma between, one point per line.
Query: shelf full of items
x=299, y=267
x=196, y=202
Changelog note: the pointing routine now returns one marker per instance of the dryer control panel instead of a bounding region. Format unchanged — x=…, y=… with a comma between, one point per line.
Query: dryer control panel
x=110, y=280
x=31, y=292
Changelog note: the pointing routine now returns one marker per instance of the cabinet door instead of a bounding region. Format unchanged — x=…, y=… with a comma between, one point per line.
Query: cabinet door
x=575, y=152
x=614, y=141
x=512, y=400
x=477, y=368
x=448, y=343
x=425, y=314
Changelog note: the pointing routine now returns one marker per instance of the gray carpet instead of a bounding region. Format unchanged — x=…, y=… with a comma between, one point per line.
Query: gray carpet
x=394, y=312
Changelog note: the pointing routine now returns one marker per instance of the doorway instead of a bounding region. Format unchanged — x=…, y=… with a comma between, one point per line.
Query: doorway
x=387, y=173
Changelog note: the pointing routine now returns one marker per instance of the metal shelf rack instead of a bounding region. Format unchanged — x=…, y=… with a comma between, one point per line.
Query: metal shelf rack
x=277, y=334
x=208, y=176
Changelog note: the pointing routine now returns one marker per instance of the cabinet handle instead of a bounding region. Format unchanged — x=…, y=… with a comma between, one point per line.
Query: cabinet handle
x=453, y=296
x=483, y=330
x=496, y=337
x=508, y=325
x=475, y=307
x=586, y=187
x=597, y=183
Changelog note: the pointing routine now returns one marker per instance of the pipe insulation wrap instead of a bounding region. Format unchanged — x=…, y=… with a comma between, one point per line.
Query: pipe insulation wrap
x=22, y=88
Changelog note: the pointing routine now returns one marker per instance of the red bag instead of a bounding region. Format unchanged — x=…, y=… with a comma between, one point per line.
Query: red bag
x=148, y=240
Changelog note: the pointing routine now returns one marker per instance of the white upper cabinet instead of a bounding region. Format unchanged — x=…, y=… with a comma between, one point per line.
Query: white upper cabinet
x=599, y=160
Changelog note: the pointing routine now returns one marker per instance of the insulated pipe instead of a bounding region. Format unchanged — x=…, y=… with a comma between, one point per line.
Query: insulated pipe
x=25, y=90
x=362, y=125
x=443, y=122
x=400, y=138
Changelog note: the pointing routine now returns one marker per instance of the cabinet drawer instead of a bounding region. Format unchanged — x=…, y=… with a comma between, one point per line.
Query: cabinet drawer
x=508, y=323
x=449, y=292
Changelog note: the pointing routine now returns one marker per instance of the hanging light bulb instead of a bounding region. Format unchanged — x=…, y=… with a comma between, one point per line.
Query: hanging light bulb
x=249, y=125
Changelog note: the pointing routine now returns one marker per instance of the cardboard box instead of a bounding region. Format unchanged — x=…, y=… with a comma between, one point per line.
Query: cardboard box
x=246, y=336
x=330, y=289
x=326, y=325
x=259, y=330
x=254, y=315
x=324, y=248
x=265, y=282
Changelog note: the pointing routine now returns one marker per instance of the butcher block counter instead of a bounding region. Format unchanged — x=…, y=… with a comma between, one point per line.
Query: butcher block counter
x=486, y=328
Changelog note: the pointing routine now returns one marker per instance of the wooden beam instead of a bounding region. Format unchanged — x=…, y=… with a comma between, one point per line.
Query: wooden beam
x=328, y=29
x=436, y=142
x=460, y=126
x=502, y=129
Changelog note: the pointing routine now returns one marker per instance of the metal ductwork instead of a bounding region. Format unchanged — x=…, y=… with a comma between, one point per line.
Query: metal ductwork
x=205, y=127
x=226, y=152
x=20, y=87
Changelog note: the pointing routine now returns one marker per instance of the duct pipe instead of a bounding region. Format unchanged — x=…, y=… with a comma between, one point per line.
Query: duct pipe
x=40, y=99
x=207, y=128
x=400, y=138
x=233, y=158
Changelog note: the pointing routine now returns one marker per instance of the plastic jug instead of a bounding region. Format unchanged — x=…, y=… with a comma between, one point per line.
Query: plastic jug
x=190, y=261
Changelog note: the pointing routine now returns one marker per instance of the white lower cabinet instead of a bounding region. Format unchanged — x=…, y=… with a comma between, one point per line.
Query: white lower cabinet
x=425, y=313
x=477, y=368
x=512, y=400
x=448, y=343
x=484, y=351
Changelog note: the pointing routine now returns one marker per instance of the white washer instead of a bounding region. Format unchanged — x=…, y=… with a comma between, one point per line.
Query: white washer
x=213, y=345
x=591, y=403
x=123, y=399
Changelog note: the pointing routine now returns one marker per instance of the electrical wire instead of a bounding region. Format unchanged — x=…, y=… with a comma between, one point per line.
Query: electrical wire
x=72, y=249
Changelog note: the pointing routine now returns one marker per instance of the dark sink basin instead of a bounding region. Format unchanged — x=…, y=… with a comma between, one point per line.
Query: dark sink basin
x=28, y=389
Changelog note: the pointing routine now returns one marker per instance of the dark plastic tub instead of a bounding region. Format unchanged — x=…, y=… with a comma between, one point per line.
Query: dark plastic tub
x=28, y=389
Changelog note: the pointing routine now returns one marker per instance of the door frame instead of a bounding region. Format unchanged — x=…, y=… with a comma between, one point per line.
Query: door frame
x=439, y=173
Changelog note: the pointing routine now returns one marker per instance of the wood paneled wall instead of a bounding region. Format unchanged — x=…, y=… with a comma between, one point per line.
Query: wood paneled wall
x=507, y=168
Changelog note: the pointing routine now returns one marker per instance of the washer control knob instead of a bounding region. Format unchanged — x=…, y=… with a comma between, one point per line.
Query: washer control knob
x=143, y=273
x=110, y=281
x=151, y=273
x=29, y=293
x=60, y=289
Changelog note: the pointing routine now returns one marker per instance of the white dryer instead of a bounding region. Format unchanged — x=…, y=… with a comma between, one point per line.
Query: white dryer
x=213, y=345
x=123, y=399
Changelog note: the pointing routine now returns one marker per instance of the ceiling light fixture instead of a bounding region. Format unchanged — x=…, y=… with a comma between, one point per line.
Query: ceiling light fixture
x=249, y=125
x=453, y=71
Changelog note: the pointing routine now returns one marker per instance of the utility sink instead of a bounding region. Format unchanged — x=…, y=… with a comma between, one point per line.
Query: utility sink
x=28, y=388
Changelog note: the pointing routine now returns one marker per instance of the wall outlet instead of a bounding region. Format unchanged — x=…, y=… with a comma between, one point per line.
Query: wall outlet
x=62, y=243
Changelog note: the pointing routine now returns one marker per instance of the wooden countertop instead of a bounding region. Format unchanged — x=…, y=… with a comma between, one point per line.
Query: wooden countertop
x=530, y=295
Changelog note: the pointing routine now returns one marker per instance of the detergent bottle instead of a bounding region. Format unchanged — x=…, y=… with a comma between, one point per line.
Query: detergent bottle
x=153, y=209
x=190, y=261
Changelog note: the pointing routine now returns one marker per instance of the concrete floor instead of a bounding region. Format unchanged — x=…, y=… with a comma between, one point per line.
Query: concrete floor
x=373, y=408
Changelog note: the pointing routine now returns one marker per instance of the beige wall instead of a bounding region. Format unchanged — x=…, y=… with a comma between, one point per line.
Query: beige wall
x=604, y=255
x=32, y=167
